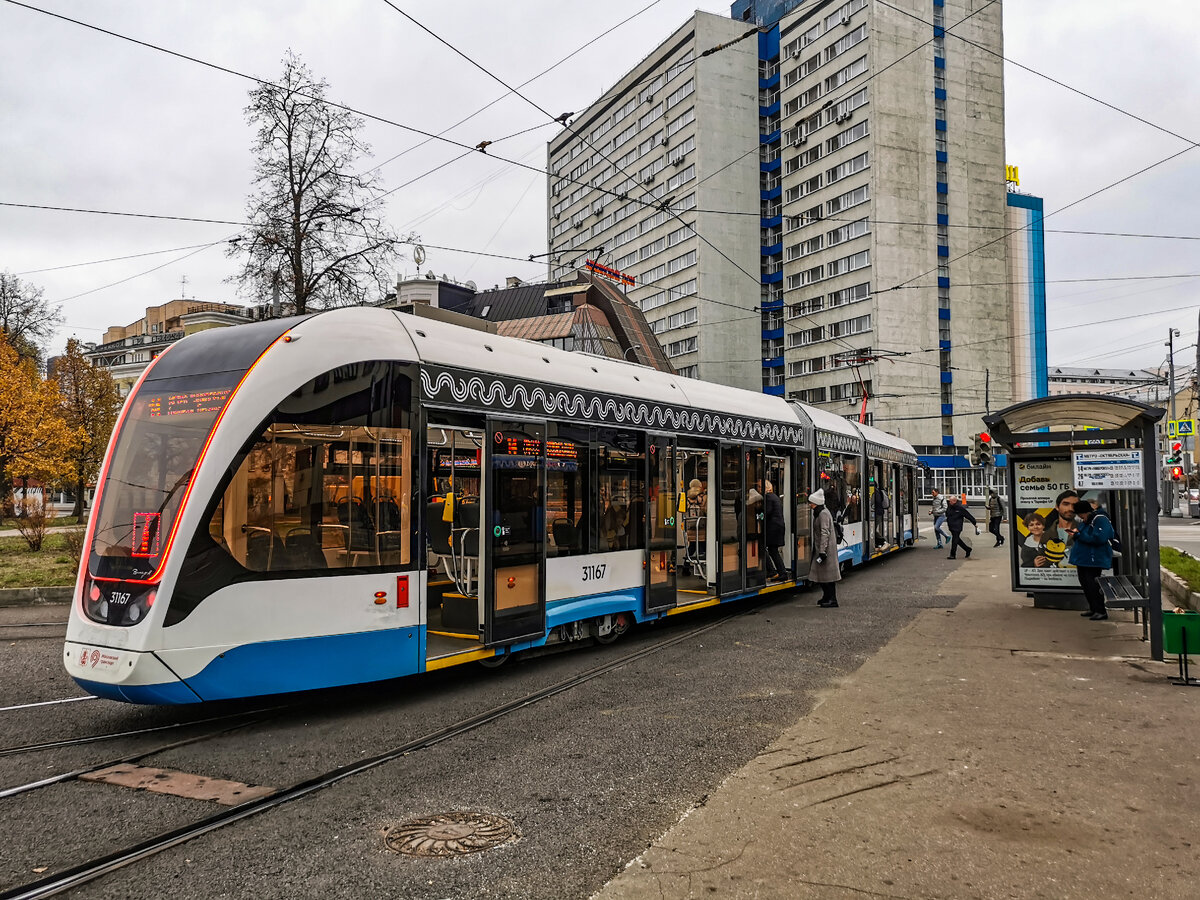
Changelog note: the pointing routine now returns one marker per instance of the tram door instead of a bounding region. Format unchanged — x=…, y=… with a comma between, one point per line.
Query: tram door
x=514, y=597
x=755, y=555
x=802, y=513
x=662, y=508
x=778, y=473
x=733, y=503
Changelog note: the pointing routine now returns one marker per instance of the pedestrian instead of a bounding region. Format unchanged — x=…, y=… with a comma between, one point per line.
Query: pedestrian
x=1091, y=554
x=774, y=531
x=955, y=513
x=825, y=569
x=995, y=515
x=938, y=511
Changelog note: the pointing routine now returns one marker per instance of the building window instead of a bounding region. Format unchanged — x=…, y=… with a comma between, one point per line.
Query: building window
x=679, y=348
x=849, y=232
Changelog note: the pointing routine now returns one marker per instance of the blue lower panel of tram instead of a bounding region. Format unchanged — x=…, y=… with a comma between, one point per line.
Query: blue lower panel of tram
x=302, y=664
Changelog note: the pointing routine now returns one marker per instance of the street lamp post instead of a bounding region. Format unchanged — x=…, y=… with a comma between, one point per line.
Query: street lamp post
x=1171, y=494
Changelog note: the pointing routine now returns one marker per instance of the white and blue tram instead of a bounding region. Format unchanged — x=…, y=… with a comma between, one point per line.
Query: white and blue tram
x=361, y=495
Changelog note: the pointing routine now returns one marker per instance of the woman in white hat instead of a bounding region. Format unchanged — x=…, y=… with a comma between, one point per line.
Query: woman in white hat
x=825, y=570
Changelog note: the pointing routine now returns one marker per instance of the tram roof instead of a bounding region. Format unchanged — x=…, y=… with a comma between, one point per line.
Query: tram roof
x=446, y=344
x=878, y=436
x=832, y=422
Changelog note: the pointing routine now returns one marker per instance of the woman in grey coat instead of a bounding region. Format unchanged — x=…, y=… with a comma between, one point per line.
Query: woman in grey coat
x=825, y=569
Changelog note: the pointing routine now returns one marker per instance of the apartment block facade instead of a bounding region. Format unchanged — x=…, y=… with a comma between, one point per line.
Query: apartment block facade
x=872, y=214
x=665, y=155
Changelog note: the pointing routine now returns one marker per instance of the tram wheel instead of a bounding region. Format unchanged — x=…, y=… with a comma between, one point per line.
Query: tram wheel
x=621, y=624
x=495, y=662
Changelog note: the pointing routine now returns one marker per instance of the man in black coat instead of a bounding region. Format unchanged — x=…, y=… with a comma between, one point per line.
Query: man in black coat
x=775, y=531
x=955, y=513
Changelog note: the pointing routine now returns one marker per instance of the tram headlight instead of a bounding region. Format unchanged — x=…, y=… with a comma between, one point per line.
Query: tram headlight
x=118, y=603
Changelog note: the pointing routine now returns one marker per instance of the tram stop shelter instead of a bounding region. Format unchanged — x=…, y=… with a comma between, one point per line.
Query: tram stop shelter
x=1099, y=448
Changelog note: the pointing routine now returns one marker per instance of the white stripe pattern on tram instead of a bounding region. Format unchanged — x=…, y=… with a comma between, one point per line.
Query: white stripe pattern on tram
x=48, y=703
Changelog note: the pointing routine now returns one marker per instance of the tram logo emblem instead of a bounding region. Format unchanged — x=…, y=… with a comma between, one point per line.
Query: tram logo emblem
x=83, y=657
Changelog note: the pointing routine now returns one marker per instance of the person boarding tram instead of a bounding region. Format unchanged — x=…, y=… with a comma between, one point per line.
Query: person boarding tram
x=826, y=569
x=775, y=532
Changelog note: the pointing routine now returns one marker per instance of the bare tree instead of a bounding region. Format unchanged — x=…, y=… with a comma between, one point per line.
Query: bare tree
x=27, y=321
x=316, y=233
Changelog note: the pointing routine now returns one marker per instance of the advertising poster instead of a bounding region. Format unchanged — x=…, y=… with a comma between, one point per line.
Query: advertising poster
x=1043, y=504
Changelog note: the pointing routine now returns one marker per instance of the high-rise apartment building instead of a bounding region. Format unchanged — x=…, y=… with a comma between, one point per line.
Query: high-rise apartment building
x=668, y=153
x=1027, y=295
x=850, y=155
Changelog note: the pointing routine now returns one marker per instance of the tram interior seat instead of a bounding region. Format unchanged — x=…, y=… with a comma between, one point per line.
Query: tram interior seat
x=390, y=536
x=466, y=543
x=439, y=534
x=303, y=549
x=264, y=550
x=566, y=534
x=697, y=545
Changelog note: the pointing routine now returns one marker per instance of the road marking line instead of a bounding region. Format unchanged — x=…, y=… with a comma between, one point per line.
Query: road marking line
x=47, y=703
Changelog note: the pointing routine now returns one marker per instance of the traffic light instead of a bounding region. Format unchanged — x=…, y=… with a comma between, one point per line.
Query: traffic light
x=985, y=448
x=1176, y=473
x=1176, y=455
x=973, y=451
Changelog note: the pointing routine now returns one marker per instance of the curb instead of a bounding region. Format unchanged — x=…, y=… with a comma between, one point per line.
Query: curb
x=1178, y=591
x=33, y=595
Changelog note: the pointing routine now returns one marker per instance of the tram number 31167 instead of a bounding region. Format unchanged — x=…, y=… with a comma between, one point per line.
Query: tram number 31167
x=594, y=573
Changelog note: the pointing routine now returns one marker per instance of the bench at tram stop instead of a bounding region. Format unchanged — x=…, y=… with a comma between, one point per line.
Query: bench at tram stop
x=1121, y=593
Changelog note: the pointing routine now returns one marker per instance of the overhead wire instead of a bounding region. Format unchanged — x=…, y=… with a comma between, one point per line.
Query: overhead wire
x=410, y=128
x=1191, y=146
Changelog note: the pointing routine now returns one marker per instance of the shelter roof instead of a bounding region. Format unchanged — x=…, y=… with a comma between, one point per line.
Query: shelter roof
x=1071, y=412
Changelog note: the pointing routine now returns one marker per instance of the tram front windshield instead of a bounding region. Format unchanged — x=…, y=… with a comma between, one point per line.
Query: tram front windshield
x=156, y=452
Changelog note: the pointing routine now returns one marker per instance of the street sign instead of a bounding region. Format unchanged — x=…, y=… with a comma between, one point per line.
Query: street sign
x=1181, y=428
x=1113, y=470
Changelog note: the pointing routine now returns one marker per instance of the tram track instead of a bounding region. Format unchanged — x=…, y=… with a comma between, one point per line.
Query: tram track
x=82, y=873
x=128, y=758
x=33, y=631
x=117, y=735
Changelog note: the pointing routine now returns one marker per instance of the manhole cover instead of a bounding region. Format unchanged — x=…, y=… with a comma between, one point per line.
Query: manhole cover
x=451, y=834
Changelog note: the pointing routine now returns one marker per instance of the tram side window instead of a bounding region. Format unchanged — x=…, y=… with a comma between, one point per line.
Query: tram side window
x=568, y=491
x=841, y=481
x=328, y=483
x=621, y=490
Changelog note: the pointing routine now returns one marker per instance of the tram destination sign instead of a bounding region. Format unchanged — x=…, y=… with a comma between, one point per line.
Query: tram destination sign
x=1114, y=470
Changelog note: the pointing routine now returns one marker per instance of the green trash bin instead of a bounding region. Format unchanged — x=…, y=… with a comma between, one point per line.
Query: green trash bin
x=1180, y=626
x=1181, y=636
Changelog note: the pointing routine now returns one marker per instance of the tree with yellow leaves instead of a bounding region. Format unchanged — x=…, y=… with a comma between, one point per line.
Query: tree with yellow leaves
x=90, y=403
x=35, y=440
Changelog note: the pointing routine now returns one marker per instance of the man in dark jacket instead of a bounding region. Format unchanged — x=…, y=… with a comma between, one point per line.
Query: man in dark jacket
x=774, y=531
x=1091, y=554
x=955, y=513
x=995, y=515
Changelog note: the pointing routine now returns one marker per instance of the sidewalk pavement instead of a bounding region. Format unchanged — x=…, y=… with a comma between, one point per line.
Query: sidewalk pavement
x=990, y=750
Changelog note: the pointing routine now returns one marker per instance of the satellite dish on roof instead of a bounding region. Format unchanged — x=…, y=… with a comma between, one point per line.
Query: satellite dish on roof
x=419, y=255
x=431, y=276
x=470, y=285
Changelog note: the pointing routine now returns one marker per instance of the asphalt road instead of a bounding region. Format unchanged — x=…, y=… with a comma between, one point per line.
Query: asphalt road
x=589, y=777
x=1182, y=534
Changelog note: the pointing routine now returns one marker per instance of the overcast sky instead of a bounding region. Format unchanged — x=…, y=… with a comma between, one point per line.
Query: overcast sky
x=91, y=121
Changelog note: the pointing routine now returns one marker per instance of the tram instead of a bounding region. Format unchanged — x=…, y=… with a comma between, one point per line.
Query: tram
x=362, y=494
